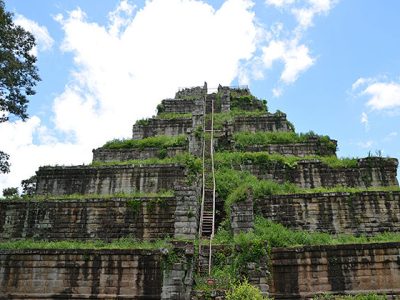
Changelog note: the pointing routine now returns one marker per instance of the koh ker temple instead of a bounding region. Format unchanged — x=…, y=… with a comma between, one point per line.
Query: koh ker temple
x=212, y=197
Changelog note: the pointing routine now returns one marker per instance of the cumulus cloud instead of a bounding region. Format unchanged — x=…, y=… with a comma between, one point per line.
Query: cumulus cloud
x=123, y=69
x=279, y=3
x=295, y=58
x=43, y=39
x=381, y=94
x=364, y=120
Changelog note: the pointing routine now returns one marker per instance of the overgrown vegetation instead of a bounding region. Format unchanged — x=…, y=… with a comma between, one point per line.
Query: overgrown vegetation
x=245, y=139
x=122, y=243
x=244, y=291
x=221, y=118
x=173, y=116
x=276, y=235
x=232, y=159
x=161, y=194
x=191, y=162
x=160, y=141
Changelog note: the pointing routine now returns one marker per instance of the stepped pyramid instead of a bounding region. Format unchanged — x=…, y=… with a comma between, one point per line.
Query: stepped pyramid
x=207, y=164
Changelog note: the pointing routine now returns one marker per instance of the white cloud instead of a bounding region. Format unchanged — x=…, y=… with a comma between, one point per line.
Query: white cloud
x=381, y=94
x=295, y=57
x=366, y=144
x=305, y=15
x=364, y=120
x=279, y=3
x=123, y=69
x=43, y=39
x=277, y=92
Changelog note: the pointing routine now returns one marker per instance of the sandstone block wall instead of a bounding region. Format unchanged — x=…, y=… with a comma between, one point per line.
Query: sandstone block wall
x=303, y=272
x=161, y=127
x=108, y=179
x=364, y=213
x=108, y=155
x=95, y=274
x=142, y=219
x=269, y=122
x=179, y=106
x=300, y=149
x=313, y=173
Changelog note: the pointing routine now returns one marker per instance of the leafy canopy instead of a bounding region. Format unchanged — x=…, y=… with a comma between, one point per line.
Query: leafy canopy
x=18, y=72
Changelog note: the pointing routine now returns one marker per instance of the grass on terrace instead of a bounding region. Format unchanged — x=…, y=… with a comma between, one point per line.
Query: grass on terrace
x=234, y=186
x=136, y=195
x=276, y=235
x=123, y=243
x=230, y=159
x=245, y=139
x=161, y=142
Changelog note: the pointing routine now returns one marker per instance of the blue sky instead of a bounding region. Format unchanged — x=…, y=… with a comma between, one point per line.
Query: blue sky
x=332, y=66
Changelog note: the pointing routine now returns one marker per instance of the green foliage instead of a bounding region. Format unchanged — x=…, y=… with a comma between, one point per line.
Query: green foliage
x=143, y=122
x=245, y=139
x=244, y=291
x=276, y=235
x=135, y=205
x=29, y=186
x=232, y=159
x=122, y=243
x=10, y=193
x=221, y=118
x=95, y=196
x=4, y=164
x=173, y=116
x=193, y=163
x=18, y=72
x=160, y=141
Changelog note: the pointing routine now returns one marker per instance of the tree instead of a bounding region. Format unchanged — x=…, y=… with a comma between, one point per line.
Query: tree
x=18, y=72
x=29, y=186
x=11, y=192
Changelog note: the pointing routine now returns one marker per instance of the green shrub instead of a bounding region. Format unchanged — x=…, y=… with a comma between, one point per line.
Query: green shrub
x=244, y=291
x=160, y=141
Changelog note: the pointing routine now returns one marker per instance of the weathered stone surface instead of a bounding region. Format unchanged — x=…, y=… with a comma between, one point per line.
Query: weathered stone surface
x=156, y=126
x=62, y=274
x=242, y=216
x=108, y=179
x=108, y=155
x=303, y=272
x=313, y=173
x=268, y=122
x=180, y=106
x=364, y=213
x=88, y=219
x=310, y=148
x=94, y=274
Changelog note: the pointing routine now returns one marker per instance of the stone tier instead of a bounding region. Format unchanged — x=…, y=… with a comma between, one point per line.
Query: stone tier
x=303, y=272
x=363, y=213
x=146, y=218
x=109, y=155
x=156, y=126
x=310, y=148
x=313, y=173
x=267, y=122
x=93, y=274
x=180, y=106
x=109, y=179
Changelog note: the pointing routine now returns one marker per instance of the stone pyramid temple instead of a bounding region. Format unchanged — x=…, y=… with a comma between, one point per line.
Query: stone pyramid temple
x=212, y=192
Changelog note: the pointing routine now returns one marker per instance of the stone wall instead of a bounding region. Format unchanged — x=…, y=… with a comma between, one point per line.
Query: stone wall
x=364, y=213
x=179, y=106
x=88, y=219
x=107, y=155
x=156, y=126
x=303, y=272
x=94, y=274
x=313, y=173
x=269, y=122
x=299, y=149
x=192, y=93
x=108, y=179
